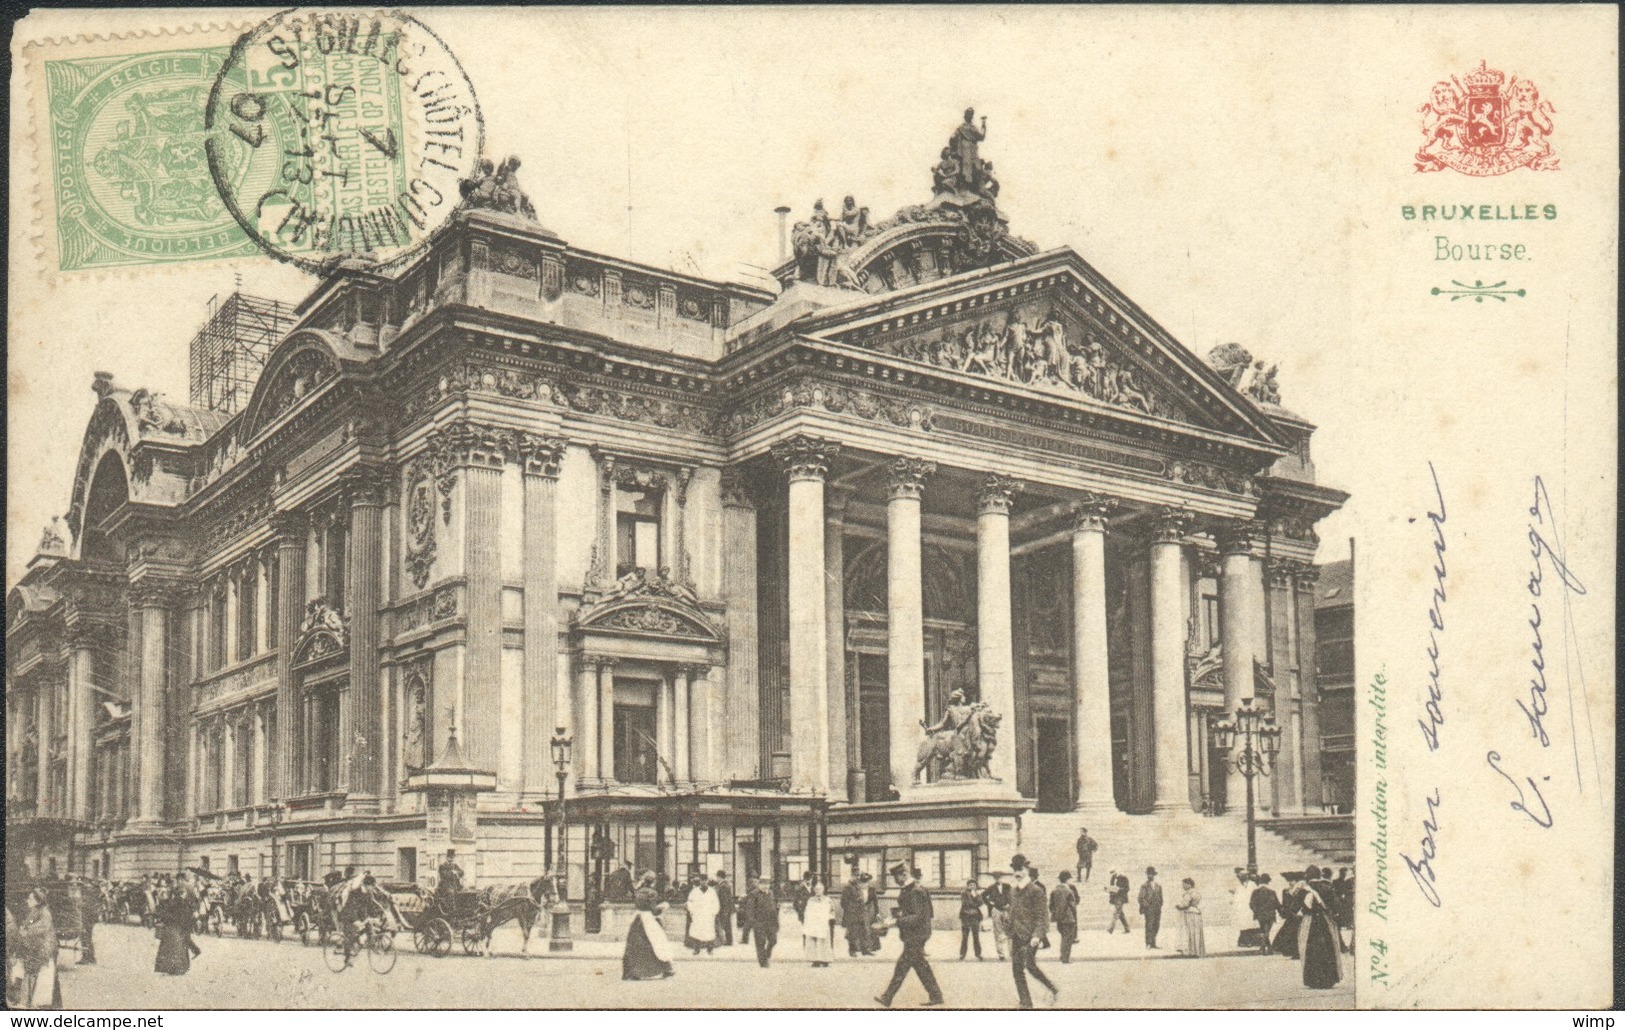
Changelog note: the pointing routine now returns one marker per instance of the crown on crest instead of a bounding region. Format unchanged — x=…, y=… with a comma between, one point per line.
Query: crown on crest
x=1484, y=80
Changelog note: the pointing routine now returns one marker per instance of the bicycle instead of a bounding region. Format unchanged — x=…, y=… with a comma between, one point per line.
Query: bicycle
x=378, y=942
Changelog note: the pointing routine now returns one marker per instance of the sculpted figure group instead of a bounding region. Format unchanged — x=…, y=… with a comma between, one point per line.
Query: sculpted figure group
x=1041, y=354
x=959, y=745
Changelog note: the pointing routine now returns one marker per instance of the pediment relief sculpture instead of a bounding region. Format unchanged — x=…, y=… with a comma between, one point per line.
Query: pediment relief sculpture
x=324, y=631
x=640, y=603
x=1038, y=346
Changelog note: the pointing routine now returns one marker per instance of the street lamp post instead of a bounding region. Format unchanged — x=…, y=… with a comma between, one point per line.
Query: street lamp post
x=561, y=744
x=1252, y=739
x=560, y=940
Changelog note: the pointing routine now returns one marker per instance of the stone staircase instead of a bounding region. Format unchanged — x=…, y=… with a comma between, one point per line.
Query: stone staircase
x=1179, y=844
x=1331, y=836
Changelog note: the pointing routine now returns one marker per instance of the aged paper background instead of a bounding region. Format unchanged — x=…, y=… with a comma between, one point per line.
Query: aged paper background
x=1240, y=173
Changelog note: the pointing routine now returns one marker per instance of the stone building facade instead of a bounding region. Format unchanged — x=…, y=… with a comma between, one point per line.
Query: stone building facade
x=738, y=545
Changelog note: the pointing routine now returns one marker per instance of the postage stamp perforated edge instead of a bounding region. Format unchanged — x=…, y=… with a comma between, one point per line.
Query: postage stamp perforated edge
x=35, y=197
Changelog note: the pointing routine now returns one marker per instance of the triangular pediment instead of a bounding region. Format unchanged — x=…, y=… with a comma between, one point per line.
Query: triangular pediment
x=1051, y=324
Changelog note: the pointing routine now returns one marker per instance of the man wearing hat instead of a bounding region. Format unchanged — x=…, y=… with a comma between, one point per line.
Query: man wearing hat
x=1029, y=924
x=913, y=922
x=450, y=879
x=997, y=899
x=1151, y=905
x=759, y=916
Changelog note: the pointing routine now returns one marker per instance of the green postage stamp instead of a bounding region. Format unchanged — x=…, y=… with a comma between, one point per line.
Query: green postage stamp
x=128, y=169
x=310, y=137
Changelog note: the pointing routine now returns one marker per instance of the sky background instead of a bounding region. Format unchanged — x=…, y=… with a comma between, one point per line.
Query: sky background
x=1149, y=145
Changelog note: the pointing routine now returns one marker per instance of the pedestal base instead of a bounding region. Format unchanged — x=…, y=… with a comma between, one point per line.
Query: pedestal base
x=942, y=791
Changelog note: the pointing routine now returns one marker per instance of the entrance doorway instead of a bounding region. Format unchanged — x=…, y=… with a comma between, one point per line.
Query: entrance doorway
x=635, y=756
x=1054, y=764
x=875, y=728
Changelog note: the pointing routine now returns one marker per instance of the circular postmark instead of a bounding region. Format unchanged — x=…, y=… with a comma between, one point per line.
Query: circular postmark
x=335, y=135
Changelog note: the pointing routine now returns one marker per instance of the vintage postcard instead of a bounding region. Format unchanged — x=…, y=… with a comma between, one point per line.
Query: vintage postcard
x=793, y=508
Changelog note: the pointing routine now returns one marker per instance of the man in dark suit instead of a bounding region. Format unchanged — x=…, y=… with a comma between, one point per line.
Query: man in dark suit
x=1029, y=923
x=1151, y=905
x=855, y=915
x=913, y=922
x=1265, y=907
x=1063, y=911
x=970, y=919
x=759, y=915
x=725, y=908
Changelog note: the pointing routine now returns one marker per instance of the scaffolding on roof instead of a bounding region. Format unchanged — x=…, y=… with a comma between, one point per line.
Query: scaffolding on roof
x=230, y=350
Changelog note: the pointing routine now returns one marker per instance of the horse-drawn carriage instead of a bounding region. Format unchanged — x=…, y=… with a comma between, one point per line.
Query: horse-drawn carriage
x=440, y=920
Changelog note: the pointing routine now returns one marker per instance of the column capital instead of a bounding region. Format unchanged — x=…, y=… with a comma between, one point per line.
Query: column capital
x=467, y=444
x=539, y=455
x=367, y=485
x=152, y=592
x=738, y=488
x=1237, y=536
x=1282, y=571
x=694, y=670
x=290, y=527
x=604, y=662
x=994, y=494
x=1170, y=525
x=1091, y=513
x=907, y=476
x=806, y=457
x=1305, y=577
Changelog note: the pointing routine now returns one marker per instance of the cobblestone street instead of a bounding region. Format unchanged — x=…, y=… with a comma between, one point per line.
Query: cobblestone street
x=1106, y=972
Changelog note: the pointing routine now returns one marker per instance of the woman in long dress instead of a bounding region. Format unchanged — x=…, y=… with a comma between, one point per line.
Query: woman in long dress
x=174, y=921
x=36, y=940
x=1190, y=908
x=1286, y=938
x=818, y=927
x=648, y=954
x=1318, y=934
x=703, y=906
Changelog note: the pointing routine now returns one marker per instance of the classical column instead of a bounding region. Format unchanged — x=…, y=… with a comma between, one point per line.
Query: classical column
x=256, y=784
x=1309, y=691
x=152, y=600
x=806, y=462
x=1169, y=702
x=995, y=650
x=835, y=642
x=367, y=488
x=738, y=753
x=585, y=733
x=292, y=529
x=1285, y=792
x=666, y=726
x=1091, y=680
x=482, y=454
x=905, y=616
x=1238, y=631
x=45, y=729
x=540, y=458
x=606, y=718
x=232, y=578
x=682, y=723
x=83, y=638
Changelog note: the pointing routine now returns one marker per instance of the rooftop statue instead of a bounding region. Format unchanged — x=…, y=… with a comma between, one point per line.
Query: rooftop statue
x=1235, y=364
x=497, y=190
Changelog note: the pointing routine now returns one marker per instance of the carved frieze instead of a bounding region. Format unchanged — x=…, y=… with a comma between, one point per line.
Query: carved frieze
x=304, y=373
x=636, y=407
x=437, y=606
x=837, y=398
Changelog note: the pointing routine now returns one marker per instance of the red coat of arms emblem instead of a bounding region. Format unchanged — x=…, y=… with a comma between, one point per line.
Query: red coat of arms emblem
x=1481, y=124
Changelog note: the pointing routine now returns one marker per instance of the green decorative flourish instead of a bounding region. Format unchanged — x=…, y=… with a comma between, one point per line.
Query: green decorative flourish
x=1478, y=291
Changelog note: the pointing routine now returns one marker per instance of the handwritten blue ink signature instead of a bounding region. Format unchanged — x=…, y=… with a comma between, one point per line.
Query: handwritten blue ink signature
x=1542, y=554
